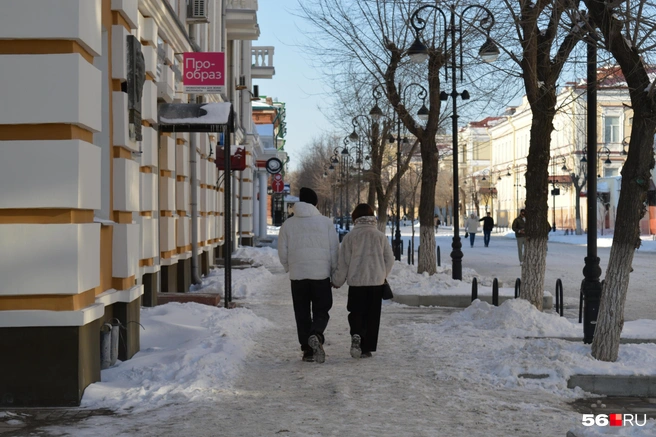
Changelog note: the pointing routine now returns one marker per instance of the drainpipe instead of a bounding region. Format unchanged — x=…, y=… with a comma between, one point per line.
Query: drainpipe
x=195, y=277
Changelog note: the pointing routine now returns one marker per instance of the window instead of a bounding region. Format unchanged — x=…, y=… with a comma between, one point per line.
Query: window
x=611, y=130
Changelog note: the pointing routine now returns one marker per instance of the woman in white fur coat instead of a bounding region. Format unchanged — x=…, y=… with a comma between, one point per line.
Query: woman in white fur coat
x=365, y=260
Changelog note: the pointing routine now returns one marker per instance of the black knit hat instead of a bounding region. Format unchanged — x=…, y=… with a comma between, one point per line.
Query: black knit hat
x=308, y=196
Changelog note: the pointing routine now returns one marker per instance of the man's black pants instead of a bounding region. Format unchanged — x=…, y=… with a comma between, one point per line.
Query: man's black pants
x=312, y=299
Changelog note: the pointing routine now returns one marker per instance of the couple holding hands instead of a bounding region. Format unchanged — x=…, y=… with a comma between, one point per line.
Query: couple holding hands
x=309, y=250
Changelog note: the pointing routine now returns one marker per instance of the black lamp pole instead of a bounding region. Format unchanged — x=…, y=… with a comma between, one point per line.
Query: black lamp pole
x=397, y=236
x=553, y=209
x=456, y=253
x=590, y=286
x=354, y=137
x=376, y=113
x=347, y=170
x=488, y=52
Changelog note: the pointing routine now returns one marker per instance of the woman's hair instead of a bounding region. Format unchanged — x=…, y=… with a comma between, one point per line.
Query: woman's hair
x=361, y=210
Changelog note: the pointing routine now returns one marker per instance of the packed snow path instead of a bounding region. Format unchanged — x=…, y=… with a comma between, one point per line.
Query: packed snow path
x=406, y=389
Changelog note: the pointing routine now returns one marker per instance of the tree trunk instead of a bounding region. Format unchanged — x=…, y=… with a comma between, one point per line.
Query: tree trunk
x=427, y=261
x=631, y=208
x=579, y=230
x=577, y=202
x=537, y=183
x=382, y=214
x=636, y=175
x=535, y=263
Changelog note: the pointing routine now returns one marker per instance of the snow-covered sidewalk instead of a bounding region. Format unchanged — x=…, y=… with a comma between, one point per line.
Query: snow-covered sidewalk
x=206, y=371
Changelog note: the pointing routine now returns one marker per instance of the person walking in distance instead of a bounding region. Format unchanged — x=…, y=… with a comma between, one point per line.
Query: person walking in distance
x=519, y=227
x=308, y=248
x=471, y=226
x=365, y=260
x=488, y=225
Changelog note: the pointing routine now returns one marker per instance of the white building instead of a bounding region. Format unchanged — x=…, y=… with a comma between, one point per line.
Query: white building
x=95, y=204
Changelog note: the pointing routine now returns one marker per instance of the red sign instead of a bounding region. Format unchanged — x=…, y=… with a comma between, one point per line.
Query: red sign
x=237, y=161
x=277, y=185
x=204, y=72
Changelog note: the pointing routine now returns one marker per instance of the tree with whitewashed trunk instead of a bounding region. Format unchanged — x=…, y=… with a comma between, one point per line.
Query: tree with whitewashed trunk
x=626, y=31
x=548, y=33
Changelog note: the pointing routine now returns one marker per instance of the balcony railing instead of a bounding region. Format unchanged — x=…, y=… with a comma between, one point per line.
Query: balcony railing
x=262, y=62
x=242, y=4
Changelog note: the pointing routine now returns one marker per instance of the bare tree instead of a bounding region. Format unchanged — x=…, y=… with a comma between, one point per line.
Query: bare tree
x=548, y=32
x=627, y=29
x=372, y=37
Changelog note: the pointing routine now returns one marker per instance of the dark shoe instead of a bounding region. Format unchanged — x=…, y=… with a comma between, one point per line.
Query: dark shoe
x=308, y=356
x=366, y=355
x=317, y=348
x=356, y=352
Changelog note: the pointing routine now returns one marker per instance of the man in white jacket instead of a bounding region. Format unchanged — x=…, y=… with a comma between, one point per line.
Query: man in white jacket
x=308, y=247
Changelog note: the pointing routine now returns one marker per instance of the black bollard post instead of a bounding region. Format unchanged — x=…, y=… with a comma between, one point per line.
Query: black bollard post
x=495, y=292
x=518, y=284
x=409, y=254
x=439, y=262
x=474, y=289
x=413, y=251
x=559, y=297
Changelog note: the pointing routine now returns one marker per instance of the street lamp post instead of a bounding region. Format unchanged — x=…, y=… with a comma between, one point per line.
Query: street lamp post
x=342, y=158
x=376, y=113
x=354, y=137
x=488, y=52
x=590, y=286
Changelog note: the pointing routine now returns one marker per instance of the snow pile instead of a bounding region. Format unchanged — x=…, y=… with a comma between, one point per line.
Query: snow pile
x=263, y=256
x=492, y=345
x=188, y=351
x=514, y=318
x=404, y=280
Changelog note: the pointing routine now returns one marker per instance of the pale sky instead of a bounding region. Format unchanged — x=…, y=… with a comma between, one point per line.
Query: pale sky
x=295, y=82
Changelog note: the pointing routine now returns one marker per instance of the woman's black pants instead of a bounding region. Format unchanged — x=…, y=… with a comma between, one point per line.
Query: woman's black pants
x=364, y=304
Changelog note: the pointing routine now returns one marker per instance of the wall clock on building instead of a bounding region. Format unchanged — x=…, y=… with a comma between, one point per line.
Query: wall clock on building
x=273, y=166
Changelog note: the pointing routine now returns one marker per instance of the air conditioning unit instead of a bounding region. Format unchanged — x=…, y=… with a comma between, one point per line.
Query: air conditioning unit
x=197, y=11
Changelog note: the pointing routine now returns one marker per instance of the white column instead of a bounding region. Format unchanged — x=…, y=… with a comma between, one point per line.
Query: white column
x=256, y=209
x=262, y=176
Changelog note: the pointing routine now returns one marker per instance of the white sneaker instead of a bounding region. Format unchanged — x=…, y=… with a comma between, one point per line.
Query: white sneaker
x=356, y=352
x=317, y=348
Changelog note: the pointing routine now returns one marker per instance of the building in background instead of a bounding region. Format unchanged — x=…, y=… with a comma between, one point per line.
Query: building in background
x=510, y=142
x=95, y=203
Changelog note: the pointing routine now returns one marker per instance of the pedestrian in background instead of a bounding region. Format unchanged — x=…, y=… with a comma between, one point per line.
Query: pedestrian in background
x=488, y=225
x=471, y=227
x=308, y=248
x=519, y=227
x=365, y=260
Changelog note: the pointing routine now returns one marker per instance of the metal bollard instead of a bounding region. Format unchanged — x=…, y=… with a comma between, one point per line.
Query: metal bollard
x=409, y=254
x=559, y=297
x=439, y=262
x=518, y=285
x=413, y=251
x=474, y=289
x=495, y=292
